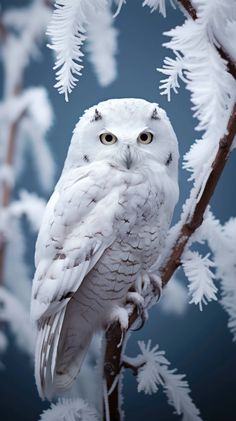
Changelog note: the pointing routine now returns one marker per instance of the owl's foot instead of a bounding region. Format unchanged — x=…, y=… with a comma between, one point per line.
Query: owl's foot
x=137, y=300
x=156, y=284
x=147, y=279
x=121, y=315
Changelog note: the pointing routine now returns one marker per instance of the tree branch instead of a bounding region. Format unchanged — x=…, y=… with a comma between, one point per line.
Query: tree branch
x=187, y=5
x=10, y=149
x=6, y=188
x=113, y=350
x=114, y=342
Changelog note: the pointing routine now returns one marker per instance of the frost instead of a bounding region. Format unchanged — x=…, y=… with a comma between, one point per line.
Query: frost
x=221, y=240
x=198, y=271
x=33, y=109
x=14, y=313
x=174, y=70
x=199, y=65
x=67, y=31
x=102, y=44
x=23, y=45
x=69, y=410
x=30, y=205
x=159, y=5
x=174, y=299
x=153, y=372
x=7, y=175
x=17, y=276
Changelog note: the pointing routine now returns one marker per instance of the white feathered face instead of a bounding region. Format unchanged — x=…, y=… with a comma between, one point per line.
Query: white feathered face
x=127, y=132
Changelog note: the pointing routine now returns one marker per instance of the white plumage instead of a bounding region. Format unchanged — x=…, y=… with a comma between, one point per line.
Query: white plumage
x=104, y=226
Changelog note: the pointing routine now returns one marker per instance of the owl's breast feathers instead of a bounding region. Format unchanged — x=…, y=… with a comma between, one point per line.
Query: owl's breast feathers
x=97, y=210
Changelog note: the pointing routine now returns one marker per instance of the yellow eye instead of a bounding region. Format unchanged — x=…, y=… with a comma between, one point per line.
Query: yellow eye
x=145, y=138
x=108, y=138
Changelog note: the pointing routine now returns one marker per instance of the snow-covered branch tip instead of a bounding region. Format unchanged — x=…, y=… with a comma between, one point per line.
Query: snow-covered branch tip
x=69, y=409
x=152, y=371
x=200, y=276
x=74, y=22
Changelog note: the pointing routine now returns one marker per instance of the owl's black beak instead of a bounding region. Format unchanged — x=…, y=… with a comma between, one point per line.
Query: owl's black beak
x=128, y=158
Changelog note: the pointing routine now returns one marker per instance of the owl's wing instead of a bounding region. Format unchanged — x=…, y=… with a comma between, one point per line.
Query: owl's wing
x=76, y=229
x=78, y=226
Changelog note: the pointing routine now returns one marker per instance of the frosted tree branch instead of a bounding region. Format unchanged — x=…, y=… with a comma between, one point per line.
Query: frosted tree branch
x=188, y=7
x=191, y=220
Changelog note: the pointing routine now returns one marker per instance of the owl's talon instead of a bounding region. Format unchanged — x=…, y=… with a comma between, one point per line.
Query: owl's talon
x=156, y=283
x=138, y=301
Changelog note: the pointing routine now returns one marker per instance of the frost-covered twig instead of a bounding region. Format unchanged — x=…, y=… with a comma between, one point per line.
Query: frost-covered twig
x=69, y=409
x=151, y=369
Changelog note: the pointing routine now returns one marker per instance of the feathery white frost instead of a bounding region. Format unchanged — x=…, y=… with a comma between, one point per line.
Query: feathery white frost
x=200, y=66
x=67, y=30
x=221, y=240
x=69, y=410
x=17, y=276
x=15, y=314
x=173, y=68
x=159, y=5
x=154, y=372
x=174, y=298
x=7, y=175
x=23, y=45
x=102, y=44
x=36, y=114
x=30, y=205
x=200, y=276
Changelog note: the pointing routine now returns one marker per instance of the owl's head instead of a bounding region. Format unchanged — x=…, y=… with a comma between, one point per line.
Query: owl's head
x=127, y=132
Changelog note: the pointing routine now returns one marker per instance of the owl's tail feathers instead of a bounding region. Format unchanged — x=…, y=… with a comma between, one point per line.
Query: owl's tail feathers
x=72, y=349
x=46, y=347
x=62, y=344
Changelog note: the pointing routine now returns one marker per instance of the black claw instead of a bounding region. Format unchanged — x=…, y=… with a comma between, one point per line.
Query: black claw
x=141, y=314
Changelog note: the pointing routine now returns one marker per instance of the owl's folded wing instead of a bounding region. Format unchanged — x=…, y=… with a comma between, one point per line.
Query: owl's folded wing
x=76, y=230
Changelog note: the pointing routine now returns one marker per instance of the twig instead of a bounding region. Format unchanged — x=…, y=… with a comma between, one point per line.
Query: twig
x=134, y=368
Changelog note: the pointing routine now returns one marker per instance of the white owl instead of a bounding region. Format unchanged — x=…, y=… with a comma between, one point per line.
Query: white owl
x=103, y=228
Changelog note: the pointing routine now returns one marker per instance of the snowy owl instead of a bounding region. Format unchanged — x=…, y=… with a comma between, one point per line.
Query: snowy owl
x=103, y=228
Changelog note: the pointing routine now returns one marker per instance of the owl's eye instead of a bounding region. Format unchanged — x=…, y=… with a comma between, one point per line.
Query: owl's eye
x=145, y=138
x=108, y=138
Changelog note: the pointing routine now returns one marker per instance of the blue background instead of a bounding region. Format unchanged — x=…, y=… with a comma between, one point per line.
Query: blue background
x=198, y=344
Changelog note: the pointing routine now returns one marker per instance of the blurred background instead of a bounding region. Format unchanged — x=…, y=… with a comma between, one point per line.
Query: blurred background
x=197, y=343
